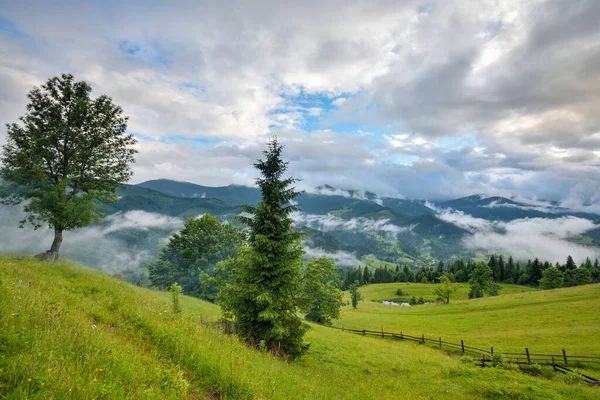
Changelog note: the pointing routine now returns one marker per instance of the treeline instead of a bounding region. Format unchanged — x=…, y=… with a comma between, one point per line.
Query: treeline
x=532, y=273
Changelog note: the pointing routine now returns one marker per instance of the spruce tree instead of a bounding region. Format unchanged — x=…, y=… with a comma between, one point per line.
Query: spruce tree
x=265, y=280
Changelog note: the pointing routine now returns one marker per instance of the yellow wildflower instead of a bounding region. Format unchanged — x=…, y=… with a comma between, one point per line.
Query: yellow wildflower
x=94, y=380
x=29, y=380
x=49, y=370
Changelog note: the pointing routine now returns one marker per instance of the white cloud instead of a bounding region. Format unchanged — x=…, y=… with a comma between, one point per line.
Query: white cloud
x=91, y=244
x=342, y=258
x=330, y=222
x=528, y=238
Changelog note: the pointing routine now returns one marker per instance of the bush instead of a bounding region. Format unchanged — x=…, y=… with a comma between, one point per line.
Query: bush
x=175, y=292
x=413, y=301
x=401, y=292
x=421, y=301
x=497, y=360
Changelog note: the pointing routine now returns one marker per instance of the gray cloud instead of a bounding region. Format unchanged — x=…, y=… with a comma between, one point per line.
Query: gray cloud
x=436, y=102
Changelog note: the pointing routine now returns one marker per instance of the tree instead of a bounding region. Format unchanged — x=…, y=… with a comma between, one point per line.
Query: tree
x=552, y=278
x=445, y=290
x=535, y=272
x=570, y=265
x=509, y=271
x=481, y=281
x=264, y=280
x=320, y=297
x=191, y=255
x=355, y=295
x=577, y=277
x=70, y=152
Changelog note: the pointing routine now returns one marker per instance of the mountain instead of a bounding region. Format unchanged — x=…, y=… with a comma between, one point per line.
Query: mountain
x=134, y=197
x=232, y=194
x=503, y=209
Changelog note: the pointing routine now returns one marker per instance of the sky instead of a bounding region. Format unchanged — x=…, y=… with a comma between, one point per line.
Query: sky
x=422, y=99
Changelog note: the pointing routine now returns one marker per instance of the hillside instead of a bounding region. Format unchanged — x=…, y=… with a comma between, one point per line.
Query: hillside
x=70, y=332
x=546, y=321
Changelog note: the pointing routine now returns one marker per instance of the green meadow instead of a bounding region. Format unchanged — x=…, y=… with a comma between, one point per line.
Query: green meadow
x=69, y=332
x=545, y=321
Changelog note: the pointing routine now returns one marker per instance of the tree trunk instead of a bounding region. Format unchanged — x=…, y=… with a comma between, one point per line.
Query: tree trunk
x=52, y=254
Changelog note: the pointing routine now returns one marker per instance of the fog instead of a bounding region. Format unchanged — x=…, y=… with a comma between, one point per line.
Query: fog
x=528, y=238
x=93, y=245
x=330, y=222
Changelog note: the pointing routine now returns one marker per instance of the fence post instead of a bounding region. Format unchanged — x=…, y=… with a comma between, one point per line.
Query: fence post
x=401, y=337
x=422, y=338
x=364, y=332
x=492, y=351
x=440, y=343
x=462, y=345
x=382, y=335
x=553, y=363
x=528, y=356
x=565, y=355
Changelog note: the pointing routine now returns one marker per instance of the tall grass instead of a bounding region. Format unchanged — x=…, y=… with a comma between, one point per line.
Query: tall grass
x=67, y=332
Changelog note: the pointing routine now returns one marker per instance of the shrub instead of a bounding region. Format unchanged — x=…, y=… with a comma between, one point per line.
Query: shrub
x=175, y=292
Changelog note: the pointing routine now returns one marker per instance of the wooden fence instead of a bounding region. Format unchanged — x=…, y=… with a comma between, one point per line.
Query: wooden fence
x=485, y=356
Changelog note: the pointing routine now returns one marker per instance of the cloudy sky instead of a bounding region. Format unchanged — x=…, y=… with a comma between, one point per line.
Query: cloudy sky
x=427, y=99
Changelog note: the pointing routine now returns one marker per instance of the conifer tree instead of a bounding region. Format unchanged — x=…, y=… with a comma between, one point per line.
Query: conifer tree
x=265, y=280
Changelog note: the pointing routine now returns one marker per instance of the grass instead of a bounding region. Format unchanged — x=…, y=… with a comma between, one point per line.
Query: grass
x=388, y=291
x=545, y=321
x=68, y=332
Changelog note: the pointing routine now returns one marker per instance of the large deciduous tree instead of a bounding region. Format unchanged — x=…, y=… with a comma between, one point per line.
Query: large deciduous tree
x=320, y=297
x=263, y=282
x=191, y=256
x=69, y=152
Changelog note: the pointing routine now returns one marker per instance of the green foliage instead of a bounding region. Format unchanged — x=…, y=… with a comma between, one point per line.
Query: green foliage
x=176, y=291
x=265, y=279
x=401, y=292
x=445, y=290
x=421, y=300
x=577, y=276
x=355, y=295
x=320, y=297
x=61, y=317
x=70, y=152
x=497, y=360
x=481, y=282
x=191, y=255
x=552, y=278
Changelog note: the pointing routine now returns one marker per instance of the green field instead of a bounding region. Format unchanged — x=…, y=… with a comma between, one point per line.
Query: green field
x=68, y=332
x=544, y=321
x=387, y=291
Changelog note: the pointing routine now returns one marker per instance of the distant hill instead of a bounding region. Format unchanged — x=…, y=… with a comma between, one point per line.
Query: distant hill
x=233, y=194
x=133, y=197
x=504, y=209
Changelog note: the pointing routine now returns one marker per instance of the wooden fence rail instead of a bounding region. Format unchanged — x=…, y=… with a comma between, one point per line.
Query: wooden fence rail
x=486, y=356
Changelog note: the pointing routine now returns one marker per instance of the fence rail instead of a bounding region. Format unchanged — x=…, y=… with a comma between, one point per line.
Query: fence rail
x=485, y=356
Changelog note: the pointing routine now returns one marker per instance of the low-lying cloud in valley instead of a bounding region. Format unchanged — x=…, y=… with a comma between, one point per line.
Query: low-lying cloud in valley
x=527, y=238
x=331, y=222
x=341, y=258
x=94, y=245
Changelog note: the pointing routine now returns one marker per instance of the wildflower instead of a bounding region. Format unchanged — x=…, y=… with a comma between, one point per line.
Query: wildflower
x=43, y=383
x=29, y=380
x=49, y=370
x=96, y=369
x=94, y=380
x=100, y=369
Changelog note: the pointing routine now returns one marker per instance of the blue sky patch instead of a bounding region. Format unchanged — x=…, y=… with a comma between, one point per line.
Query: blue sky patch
x=10, y=28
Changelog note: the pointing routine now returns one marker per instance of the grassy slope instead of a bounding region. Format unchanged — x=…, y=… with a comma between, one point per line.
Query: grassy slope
x=544, y=321
x=71, y=332
x=387, y=291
